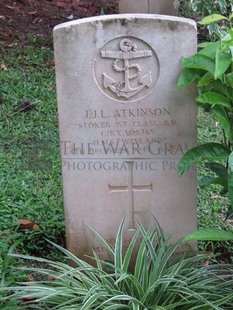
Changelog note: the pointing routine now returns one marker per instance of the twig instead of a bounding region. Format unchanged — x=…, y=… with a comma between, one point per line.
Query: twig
x=18, y=111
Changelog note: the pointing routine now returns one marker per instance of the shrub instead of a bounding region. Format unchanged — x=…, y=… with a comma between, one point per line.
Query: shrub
x=211, y=70
x=155, y=282
x=197, y=9
x=200, y=8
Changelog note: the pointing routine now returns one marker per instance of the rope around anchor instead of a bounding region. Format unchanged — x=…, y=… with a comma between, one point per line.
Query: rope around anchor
x=127, y=45
x=119, y=69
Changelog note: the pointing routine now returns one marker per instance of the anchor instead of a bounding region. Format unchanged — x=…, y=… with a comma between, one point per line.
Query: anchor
x=128, y=52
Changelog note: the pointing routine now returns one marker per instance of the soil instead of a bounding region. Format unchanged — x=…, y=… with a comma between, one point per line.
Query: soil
x=38, y=17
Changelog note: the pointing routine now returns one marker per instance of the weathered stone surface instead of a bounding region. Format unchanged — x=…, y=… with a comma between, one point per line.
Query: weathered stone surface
x=124, y=126
x=147, y=6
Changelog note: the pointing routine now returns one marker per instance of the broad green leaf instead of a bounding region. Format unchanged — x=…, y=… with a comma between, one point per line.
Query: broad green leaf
x=222, y=116
x=222, y=62
x=201, y=62
x=187, y=77
x=229, y=79
x=222, y=89
x=228, y=37
x=227, y=43
x=231, y=50
x=209, y=50
x=208, y=151
x=213, y=98
x=230, y=161
x=209, y=234
x=230, y=187
x=230, y=213
x=230, y=31
x=205, y=80
x=231, y=16
x=212, y=19
x=210, y=180
x=205, y=181
x=218, y=168
x=203, y=44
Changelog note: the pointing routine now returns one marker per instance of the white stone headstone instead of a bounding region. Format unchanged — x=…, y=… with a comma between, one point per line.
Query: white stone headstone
x=124, y=126
x=165, y=7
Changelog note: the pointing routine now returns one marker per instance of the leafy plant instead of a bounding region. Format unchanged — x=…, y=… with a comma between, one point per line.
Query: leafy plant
x=8, y=276
x=209, y=234
x=197, y=9
x=212, y=70
x=156, y=281
x=200, y=8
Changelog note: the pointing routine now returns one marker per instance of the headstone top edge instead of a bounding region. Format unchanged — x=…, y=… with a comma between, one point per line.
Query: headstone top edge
x=128, y=16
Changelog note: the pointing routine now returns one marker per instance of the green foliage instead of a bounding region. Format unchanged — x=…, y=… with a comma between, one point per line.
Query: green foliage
x=198, y=9
x=9, y=276
x=201, y=8
x=211, y=69
x=156, y=282
x=209, y=234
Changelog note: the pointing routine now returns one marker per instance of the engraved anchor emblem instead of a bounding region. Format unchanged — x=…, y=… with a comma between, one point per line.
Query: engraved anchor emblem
x=128, y=51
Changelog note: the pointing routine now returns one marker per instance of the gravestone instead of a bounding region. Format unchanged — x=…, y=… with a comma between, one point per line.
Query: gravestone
x=165, y=7
x=124, y=126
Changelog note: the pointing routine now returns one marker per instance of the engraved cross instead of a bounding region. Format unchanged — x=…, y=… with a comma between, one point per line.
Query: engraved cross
x=130, y=188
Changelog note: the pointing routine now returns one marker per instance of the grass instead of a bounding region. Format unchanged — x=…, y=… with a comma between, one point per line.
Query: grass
x=212, y=206
x=30, y=171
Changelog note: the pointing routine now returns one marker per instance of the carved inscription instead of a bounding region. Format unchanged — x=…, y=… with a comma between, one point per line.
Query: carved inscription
x=123, y=133
x=131, y=69
x=130, y=188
